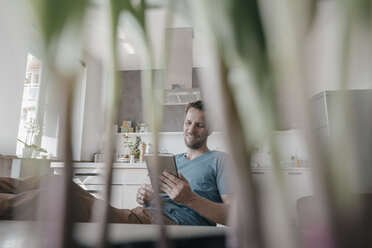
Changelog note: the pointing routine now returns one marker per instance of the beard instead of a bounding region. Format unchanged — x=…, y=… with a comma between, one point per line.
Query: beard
x=194, y=143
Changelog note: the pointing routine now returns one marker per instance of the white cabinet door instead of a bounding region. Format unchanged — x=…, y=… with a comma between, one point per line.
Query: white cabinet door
x=262, y=179
x=119, y=175
x=267, y=199
x=129, y=196
x=133, y=179
x=116, y=199
x=298, y=184
x=130, y=176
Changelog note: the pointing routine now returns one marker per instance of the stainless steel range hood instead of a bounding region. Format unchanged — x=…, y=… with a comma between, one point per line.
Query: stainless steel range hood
x=178, y=75
x=181, y=96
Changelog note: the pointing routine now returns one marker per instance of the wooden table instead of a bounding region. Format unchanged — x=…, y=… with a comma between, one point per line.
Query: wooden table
x=26, y=234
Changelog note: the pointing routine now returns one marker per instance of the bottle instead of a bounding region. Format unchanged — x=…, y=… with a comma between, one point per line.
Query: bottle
x=297, y=160
x=142, y=149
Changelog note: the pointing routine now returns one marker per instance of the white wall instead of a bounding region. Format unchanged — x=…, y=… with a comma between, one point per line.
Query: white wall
x=324, y=47
x=13, y=49
x=18, y=38
x=78, y=112
x=93, y=115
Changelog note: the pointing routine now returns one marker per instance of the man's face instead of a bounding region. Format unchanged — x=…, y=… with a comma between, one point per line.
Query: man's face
x=195, y=130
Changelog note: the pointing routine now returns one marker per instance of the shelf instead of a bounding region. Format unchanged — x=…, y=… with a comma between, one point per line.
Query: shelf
x=160, y=133
x=290, y=132
x=149, y=133
x=286, y=132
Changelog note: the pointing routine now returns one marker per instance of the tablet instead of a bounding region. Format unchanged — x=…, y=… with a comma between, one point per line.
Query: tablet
x=167, y=163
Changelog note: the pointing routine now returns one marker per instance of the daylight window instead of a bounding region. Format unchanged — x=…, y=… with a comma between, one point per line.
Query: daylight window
x=29, y=102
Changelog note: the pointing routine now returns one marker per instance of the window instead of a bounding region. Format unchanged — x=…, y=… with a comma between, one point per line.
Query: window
x=29, y=101
x=39, y=111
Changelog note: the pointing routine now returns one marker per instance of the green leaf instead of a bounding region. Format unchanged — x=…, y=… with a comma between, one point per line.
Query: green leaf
x=54, y=14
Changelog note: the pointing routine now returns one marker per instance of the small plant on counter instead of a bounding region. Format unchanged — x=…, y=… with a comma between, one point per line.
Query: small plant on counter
x=133, y=146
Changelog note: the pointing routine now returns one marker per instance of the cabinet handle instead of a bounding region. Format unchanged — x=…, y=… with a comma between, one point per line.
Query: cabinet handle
x=85, y=174
x=294, y=173
x=258, y=172
x=92, y=191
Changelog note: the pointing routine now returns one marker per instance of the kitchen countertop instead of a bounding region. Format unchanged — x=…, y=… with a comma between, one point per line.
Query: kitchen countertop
x=100, y=165
x=283, y=168
x=140, y=165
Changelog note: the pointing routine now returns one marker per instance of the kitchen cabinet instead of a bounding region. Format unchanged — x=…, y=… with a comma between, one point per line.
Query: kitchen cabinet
x=126, y=179
x=262, y=178
x=133, y=178
x=116, y=199
x=297, y=183
x=129, y=196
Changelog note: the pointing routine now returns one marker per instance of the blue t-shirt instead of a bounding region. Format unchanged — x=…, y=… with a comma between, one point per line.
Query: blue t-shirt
x=207, y=175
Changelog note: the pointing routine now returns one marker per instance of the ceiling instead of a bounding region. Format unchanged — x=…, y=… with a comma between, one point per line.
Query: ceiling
x=130, y=49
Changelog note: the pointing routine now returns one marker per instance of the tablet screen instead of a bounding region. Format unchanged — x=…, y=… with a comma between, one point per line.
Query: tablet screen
x=167, y=163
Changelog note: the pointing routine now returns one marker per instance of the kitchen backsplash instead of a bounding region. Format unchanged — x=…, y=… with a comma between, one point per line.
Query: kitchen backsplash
x=292, y=147
x=131, y=101
x=292, y=150
x=171, y=142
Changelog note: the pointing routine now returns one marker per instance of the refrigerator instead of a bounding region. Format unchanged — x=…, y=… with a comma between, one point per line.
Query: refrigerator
x=346, y=116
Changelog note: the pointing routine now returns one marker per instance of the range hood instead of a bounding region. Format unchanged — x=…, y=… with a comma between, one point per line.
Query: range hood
x=181, y=96
x=178, y=75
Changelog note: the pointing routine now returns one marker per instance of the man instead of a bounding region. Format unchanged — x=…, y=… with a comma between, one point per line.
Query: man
x=200, y=196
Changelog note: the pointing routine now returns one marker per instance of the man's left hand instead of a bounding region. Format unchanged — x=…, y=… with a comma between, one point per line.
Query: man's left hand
x=178, y=189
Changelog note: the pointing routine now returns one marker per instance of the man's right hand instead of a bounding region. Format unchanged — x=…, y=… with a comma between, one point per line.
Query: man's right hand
x=145, y=195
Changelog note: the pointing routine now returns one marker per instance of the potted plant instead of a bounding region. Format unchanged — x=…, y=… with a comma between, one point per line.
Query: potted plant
x=30, y=148
x=132, y=146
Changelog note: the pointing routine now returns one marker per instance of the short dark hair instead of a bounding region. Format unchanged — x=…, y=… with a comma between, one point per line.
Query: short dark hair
x=197, y=105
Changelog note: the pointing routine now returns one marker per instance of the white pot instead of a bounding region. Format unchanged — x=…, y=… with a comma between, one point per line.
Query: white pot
x=131, y=160
x=27, y=152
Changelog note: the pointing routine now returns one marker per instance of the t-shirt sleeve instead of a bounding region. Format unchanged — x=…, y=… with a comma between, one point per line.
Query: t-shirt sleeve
x=223, y=174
